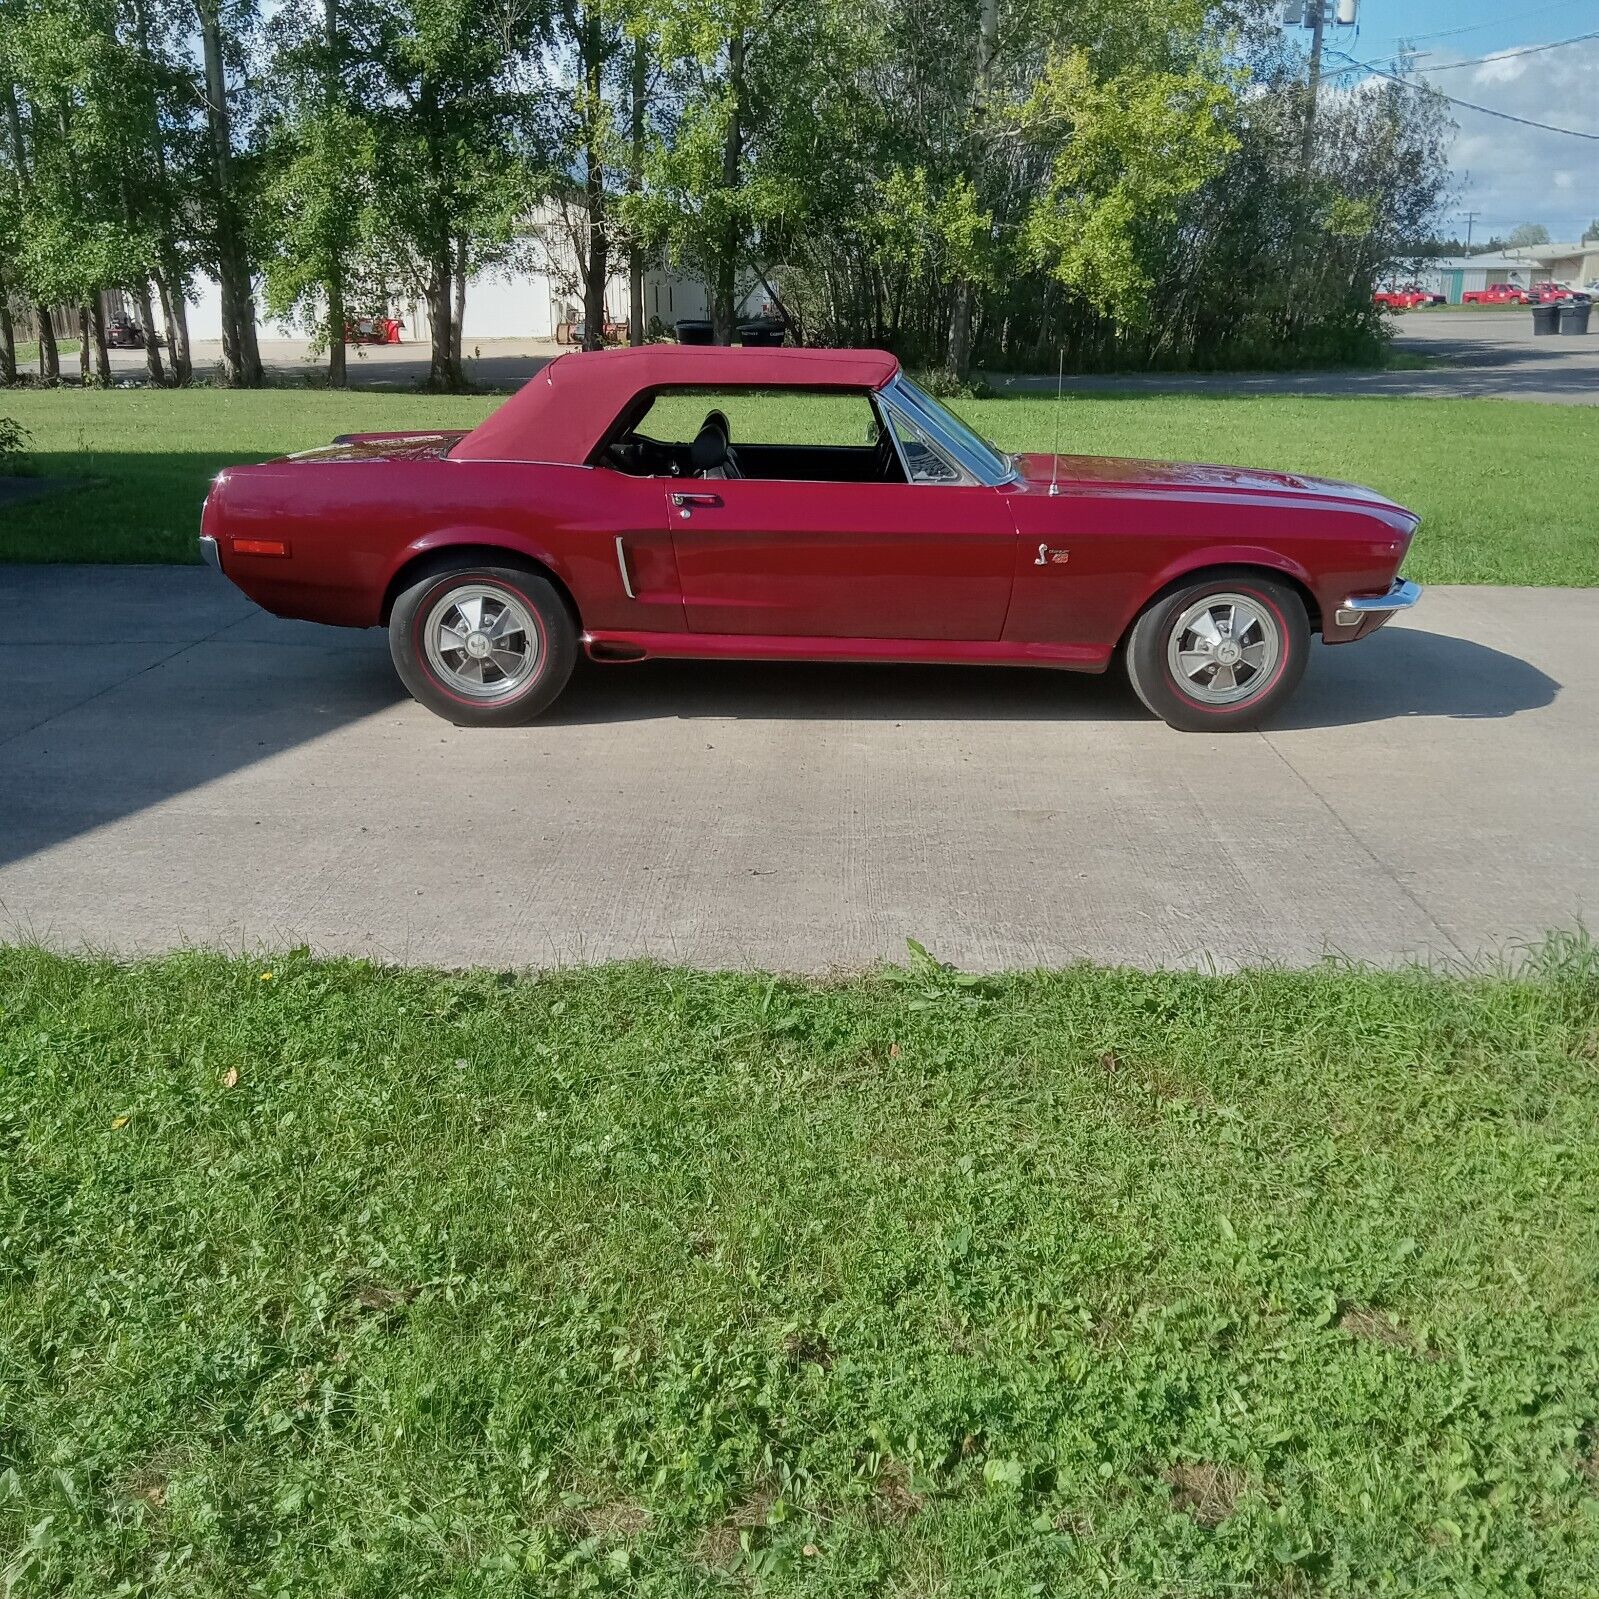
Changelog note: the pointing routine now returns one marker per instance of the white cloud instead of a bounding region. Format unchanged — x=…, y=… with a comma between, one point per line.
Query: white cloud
x=1509, y=173
x=1500, y=69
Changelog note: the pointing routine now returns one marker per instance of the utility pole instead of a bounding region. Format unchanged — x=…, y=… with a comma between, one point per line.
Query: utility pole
x=1317, y=16
x=1318, y=22
x=1471, y=222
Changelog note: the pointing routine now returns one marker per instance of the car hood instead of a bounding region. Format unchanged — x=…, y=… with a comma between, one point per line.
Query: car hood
x=1182, y=477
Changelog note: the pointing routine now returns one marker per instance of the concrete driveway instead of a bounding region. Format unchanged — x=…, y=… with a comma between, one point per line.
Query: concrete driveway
x=177, y=767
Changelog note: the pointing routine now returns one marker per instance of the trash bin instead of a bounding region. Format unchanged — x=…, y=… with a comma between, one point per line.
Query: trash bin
x=1574, y=316
x=693, y=331
x=761, y=333
x=1545, y=320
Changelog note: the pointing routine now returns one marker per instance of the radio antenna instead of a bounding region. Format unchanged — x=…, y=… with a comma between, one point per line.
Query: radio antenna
x=1060, y=383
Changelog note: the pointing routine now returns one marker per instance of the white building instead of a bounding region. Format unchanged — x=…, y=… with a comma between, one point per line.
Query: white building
x=1576, y=264
x=536, y=295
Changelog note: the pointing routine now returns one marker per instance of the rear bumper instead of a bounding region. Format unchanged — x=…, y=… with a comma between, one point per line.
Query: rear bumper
x=209, y=553
x=1378, y=608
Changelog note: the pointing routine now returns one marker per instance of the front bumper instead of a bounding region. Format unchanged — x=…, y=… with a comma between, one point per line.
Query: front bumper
x=1370, y=612
x=209, y=553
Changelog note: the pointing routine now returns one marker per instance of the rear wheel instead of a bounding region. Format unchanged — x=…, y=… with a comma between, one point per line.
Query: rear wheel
x=483, y=646
x=1221, y=653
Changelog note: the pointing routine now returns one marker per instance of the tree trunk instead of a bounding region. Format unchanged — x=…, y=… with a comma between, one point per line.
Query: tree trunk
x=241, y=359
x=638, y=87
x=960, y=329
x=249, y=348
x=49, y=357
x=49, y=354
x=960, y=322
x=168, y=277
x=441, y=371
x=175, y=312
x=338, y=373
x=8, y=341
x=596, y=271
x=102, y=355
x=458, y=313
x=152, y=345
x=723, y=310
x=83, y=345
x=597, y=263
x=8, y=333
x=232, y=355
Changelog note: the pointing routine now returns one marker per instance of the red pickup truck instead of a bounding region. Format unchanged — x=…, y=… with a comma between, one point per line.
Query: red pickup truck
x=1497, y=294
x=1407, y=298
x=1558, y=294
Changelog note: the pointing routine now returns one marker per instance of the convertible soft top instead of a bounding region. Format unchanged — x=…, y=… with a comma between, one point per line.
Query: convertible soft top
x=562, y=413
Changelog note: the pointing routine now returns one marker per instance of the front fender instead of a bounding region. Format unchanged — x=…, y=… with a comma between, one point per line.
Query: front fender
x=1214, y=555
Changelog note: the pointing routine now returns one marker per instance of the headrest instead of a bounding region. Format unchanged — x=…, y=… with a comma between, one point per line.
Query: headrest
x=709, y=449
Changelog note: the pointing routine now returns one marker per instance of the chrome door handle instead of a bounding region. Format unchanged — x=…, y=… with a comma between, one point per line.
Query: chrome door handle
x=684, y=501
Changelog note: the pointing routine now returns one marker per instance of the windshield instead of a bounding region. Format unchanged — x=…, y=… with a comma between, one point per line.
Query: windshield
x=972, y=450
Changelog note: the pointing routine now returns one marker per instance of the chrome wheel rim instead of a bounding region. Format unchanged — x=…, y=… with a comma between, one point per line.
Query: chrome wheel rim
x=1224, y=649
x=482, y=641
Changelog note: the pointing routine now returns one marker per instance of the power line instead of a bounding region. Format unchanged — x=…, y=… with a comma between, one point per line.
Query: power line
x=1495, y=22
x=1510, y=55
x=1465, y=105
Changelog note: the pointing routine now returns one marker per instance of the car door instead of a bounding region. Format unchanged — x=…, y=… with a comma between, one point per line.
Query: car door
x=764, y=556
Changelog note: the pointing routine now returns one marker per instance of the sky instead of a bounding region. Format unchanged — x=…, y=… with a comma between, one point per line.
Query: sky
x=1506, y=173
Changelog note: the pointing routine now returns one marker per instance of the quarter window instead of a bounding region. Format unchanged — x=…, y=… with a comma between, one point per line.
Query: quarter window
x=924, y=461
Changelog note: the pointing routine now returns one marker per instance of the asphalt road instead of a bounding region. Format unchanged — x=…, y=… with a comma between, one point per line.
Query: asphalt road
x=178, y=767
x=1472, y=354
x=1482, y=353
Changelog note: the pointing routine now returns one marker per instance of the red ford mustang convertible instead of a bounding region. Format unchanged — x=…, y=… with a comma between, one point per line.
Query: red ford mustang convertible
x=798, y=505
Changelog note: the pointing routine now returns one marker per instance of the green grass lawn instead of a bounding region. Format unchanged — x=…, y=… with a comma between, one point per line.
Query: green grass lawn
x=1507, y=490
x=317, y=1278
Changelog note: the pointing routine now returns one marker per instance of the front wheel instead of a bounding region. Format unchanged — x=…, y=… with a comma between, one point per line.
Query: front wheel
x=483, y=646
x=1219, y=654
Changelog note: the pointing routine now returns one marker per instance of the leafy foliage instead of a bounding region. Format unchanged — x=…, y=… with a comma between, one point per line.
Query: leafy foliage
x=15, y=441
x=998, y=180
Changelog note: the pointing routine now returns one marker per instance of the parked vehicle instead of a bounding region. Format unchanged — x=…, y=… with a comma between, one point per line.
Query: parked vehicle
x=1408, y=297
x=1551, y=293
x=373, y=330
x=123, y=333
x=1497, y=294
x=610, y=506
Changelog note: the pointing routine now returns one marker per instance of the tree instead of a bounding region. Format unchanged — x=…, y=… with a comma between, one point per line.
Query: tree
x=764, y=94
x=1528, y=233
x=449, y=119
x=68, y=127
x=241, y=359
x=587, y=41
x=320, y=158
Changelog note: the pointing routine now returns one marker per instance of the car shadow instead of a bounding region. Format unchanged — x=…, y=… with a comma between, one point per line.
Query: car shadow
x=188, y=684
x=1406, y=672
x=1400, y=672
